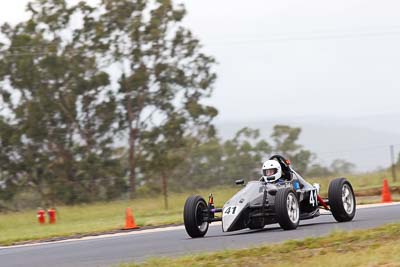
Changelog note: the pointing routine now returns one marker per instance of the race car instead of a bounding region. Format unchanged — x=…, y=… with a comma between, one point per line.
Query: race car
x=283, y=197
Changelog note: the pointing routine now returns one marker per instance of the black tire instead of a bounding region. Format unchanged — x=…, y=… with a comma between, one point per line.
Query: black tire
x=281, y=208
x=336, y=203
x=193, y=216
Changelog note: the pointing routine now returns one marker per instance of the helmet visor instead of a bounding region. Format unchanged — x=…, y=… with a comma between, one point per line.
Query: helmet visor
x=269, y=172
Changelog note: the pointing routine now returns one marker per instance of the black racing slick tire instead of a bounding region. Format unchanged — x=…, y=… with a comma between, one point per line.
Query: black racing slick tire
x=287, y=209
x=342, y=201
x=194, y=216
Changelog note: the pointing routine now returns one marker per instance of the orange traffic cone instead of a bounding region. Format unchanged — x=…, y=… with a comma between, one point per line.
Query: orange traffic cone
x=129, y=220
x=386, y=196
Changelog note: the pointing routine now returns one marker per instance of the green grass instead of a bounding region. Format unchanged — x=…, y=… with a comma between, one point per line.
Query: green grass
x=375, y=199
x=373, y=247
x=100, y=217
x=92, y=218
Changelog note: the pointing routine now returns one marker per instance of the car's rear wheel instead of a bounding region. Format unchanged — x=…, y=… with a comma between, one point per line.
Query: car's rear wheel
x=194, y=216
x=342, y=201
x=287, y=209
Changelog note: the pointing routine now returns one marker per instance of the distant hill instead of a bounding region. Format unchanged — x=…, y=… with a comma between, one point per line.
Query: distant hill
x=363, y=141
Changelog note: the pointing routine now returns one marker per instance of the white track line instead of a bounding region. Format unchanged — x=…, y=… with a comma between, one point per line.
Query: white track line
x=365, y=206
x=157, y=230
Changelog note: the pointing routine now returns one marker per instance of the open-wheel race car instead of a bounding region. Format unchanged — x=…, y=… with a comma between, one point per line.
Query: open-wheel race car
x=280, y=196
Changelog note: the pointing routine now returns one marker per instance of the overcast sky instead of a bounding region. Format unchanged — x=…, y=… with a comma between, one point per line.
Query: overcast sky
x=286, y=58
x=294, y=58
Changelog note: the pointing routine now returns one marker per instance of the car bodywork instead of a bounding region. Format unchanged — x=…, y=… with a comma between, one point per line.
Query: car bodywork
x=255, y=203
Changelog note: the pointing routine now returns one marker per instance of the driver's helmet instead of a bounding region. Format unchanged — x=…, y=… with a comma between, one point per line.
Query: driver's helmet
x=271, y=170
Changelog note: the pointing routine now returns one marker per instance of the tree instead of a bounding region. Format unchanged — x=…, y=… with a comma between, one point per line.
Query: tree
x=243, y=155
x=70, y=109
x=217, y=162
x=317, y=170
x=202, y=165
x=285, y=138
x=65, y=115
x=9, y=181
x=163, y=152
x=341, y=166
x=163, y=72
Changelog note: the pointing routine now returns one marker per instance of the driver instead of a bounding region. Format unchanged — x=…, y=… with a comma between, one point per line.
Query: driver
x=272, y=171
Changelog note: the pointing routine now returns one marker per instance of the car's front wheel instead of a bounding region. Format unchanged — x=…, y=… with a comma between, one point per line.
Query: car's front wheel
x=287, y=209
x=342, y=201
x=194, y=216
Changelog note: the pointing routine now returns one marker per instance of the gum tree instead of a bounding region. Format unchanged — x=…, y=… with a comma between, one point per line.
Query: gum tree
x=163, y=74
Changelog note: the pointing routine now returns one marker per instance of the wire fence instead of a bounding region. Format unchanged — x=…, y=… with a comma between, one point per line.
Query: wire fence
x=53, y=48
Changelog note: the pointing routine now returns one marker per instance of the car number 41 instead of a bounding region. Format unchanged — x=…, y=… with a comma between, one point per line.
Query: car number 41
x=230, y=210
x=313, y=197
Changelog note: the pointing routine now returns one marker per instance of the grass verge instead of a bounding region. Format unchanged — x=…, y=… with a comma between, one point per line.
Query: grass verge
x=373, y=247
x=16, y=227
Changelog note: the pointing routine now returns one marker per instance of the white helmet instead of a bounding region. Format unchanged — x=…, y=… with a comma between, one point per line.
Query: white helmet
x=271, y=170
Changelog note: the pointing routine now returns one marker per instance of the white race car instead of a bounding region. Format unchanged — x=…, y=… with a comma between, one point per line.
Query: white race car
x=261, y=202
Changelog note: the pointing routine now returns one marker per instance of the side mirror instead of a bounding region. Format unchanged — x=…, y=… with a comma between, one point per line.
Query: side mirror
x=239, y=182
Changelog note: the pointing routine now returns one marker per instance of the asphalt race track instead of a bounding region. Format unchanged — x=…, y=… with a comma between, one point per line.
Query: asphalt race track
x=137, y=246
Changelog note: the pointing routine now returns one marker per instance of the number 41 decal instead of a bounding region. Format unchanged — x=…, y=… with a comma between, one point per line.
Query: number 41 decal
x=230, y=210
x=313, y=197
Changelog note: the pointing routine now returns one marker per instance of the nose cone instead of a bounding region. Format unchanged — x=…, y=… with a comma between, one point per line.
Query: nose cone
x=234, y=207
